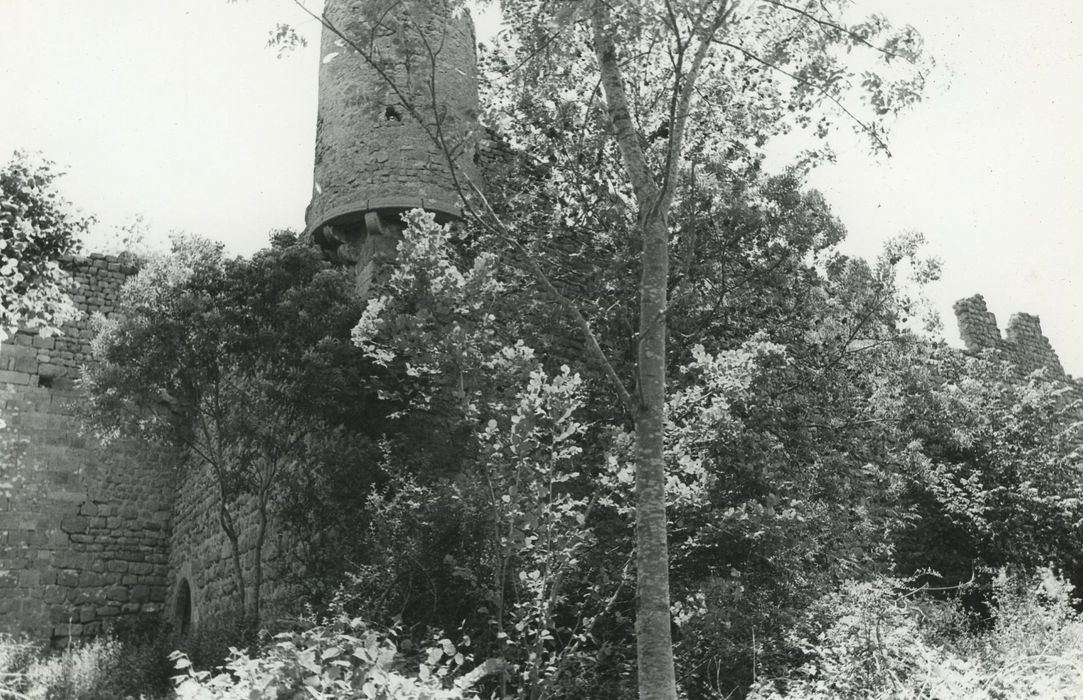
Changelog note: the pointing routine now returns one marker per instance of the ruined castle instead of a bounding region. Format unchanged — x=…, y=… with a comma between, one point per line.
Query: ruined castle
x=93, y=534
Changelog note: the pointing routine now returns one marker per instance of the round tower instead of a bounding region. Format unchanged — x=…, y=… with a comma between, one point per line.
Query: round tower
x=397, y=95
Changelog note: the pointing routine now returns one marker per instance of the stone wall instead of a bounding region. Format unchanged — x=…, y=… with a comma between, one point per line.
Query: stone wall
x=91, y=534
x=200, y=557
x=1023, y=344
x=83, y=527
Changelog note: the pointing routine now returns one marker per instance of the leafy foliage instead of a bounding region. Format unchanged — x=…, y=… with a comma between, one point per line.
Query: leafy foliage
x=343, y=659
x=882, y=640
x=243, y=365
x=103, y=669
x=505, y=376
x=37, y=229
x=995, y=463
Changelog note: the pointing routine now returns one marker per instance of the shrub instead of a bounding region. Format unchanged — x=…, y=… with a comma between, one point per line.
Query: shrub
x=102, y=669
x=346, y=659
x=210, y=643
x=83, y=671
x=881, y=641
x=15, y=656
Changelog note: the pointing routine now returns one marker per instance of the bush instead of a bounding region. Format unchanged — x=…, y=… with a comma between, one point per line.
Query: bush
x=103, y=669
x=346, y=659
x=210, y=644
x=881, y=641
x=83, y=671
x=15, y=656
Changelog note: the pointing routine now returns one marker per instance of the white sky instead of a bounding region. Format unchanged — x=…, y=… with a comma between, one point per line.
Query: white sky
x=175, y=110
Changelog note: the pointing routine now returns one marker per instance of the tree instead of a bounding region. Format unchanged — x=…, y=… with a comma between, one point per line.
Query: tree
x=994, y=466
x=244, y=366
x=37, y=230
x=630, y=89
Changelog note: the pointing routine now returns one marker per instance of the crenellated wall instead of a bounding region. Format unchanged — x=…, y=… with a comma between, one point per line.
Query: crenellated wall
x=1023, y=344
x=83, y=526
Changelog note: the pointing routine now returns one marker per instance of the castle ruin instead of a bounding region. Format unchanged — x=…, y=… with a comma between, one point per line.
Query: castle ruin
x=93, y=534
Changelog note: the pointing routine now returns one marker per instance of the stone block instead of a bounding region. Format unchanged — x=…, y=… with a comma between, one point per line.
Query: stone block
x=74, y=523
x=68, y=578
x=24, y=364
x=17, y=378
x=29, y=579
x=140, y=568
x=70, y=630
x=116, y=566
x=118, y=594
x=90, y=579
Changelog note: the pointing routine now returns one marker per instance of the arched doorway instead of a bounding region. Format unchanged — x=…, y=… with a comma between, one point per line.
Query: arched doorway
x=182, y=611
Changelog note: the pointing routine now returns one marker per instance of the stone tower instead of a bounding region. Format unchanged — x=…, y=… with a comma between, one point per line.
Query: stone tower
x=397, y=96
x=1024, y=344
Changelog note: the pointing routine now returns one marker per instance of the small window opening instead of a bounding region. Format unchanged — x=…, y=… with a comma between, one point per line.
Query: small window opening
x=391, y=114
x=45, y=382
x=183, y=612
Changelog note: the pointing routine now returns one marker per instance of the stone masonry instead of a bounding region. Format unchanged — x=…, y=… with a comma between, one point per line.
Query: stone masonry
x=200, y=557
x=1023, y=344
x=92, y=534
x=83, y=527
x=377, y=153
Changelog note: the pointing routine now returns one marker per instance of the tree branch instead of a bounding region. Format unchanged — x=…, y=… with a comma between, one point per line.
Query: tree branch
x=829, y=25
x=871, y=131
x=620, y=117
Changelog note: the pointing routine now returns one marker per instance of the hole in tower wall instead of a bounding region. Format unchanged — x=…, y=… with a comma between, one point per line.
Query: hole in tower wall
x=45, y=382
x=391, y=114
x=182, y=613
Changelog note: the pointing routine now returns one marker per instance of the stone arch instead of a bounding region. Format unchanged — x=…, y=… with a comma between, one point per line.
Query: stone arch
x=184, y=605
x=183, y=608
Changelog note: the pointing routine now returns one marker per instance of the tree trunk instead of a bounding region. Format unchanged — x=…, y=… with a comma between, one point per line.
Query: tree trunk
x=257, y=572
x=654, y=643
x=230, y=531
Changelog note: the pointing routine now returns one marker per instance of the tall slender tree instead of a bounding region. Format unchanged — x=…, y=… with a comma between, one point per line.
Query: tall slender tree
x=618, y=101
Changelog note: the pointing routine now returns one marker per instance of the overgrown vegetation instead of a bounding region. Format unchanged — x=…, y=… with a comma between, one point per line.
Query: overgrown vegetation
x=884, y=639
x=107, y=668
x=37, y=229
x=468, y=458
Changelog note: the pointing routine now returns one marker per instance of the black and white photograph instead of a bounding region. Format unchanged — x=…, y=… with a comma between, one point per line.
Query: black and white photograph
x=541, y=350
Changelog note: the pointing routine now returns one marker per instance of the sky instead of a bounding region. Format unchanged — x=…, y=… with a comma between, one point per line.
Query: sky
x=176, y=111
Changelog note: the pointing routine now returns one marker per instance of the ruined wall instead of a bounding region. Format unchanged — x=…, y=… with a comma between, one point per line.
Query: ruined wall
x=200, y=556
x=83, y=527
x=1023, y=344
x=95, y=534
